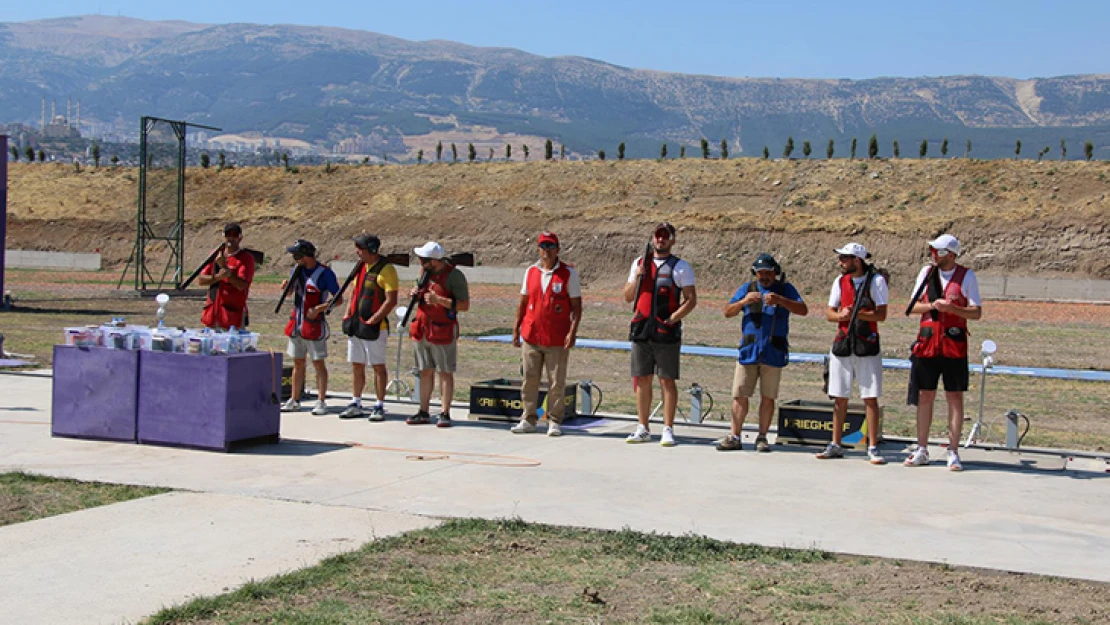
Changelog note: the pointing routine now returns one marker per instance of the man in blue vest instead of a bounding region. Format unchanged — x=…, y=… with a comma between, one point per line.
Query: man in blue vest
x=767, y=303
x=663, y=296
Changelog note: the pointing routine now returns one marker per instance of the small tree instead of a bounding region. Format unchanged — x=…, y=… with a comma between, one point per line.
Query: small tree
x=1088, y=150
x=490, y=159
x=682, y=151
x=205, y=160
x=830, y=149
x=547, y=149
x=1017, y=149
x=285, y=160
x=601, y=154
x=562, y=151
x=115, y=160
x=724, y=149
x=788, y=149
x=663, y=152
x=1063, y=149
x=454, y=153
x=1041, y=154
x=766, y=153
x=29, y=152
x=508, y=152
x=365, y=160
x=873, y=146
x=620, y=151
x=852, y=151
x=924, y=149
x=525, y=149
x=967, y=149
x=15, y=154
x=419, y=156
x=944, y=147
x=439, y=151
x=471, y=153
x=221, y=160
x=807, y=149
x=385, y=158
x=42, y=155
x=704, y=147
x=897, y=150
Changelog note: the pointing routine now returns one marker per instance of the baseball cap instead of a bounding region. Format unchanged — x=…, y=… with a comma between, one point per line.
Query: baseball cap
x=233, y=227
x=854, y=249
x=664, y=225
x=765, y=261
x=431, y=250
x=368, y=242
x=300, y=246
x=548, y=237
x=946, y=242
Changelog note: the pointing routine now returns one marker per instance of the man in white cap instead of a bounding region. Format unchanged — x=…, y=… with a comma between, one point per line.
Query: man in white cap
x=857, y=304
x=949, y=296
x=441, y=294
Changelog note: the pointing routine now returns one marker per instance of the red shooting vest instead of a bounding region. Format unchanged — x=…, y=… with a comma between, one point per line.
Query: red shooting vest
x=946, y=335
x=848, y=298
x=547, y=318
x=226, y=305
x=657, y=287
x=436, y=324
x=307, y=296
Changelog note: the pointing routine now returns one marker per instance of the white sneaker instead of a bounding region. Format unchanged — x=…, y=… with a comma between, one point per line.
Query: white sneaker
x=641, y=435
x=554, y=429
x=954, y=463
x=320, y=408
x=291, y=405
x=524, y=427
x=874, y=456
x=667, y=440
x=918, y=458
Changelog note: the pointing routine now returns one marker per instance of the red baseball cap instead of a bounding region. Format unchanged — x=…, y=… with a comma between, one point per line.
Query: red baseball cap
x=548, y=237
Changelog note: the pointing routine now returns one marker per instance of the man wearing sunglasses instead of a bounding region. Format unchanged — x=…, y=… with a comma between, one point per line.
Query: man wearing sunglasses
x=547, y=319
x=949, y=298
x=663, y=292
x=307, y=328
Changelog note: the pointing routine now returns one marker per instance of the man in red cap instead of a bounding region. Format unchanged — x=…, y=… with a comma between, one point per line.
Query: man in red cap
x=663, y=293
x=547, y=320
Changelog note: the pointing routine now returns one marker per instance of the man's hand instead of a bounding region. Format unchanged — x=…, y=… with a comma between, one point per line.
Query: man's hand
x=516, y=338
x=943, y=306
x=571, y=340
x=284, y=283
x=845, y=314
x=432, y=299
x=221, y=259
x=773, y=299
x=752, y=298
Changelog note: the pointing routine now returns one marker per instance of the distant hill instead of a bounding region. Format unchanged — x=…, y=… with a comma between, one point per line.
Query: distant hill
x=326, y=85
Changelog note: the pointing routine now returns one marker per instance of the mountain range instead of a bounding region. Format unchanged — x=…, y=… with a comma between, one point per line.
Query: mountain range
x=329, y=85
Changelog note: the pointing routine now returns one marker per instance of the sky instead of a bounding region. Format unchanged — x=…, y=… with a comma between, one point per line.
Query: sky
x=738, y=38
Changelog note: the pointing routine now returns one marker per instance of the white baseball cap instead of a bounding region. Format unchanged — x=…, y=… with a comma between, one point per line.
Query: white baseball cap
x=946, y=242
x=854, y=249
x=431, y=250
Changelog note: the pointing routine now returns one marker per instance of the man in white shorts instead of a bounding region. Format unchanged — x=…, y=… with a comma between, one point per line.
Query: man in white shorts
x=857, y=304
x=366, y=324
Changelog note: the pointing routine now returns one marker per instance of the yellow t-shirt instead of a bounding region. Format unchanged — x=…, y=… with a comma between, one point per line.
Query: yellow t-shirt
x=388, y=281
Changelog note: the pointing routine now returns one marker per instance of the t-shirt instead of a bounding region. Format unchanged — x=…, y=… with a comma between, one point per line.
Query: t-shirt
x=970, y=285
x=683, y=272
x=387, y=282
x=457, y=286
x=324, y=280
x=574, y=285
x=879, y=292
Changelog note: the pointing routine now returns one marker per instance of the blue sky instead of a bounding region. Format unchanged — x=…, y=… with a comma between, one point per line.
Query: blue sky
x=802, y=39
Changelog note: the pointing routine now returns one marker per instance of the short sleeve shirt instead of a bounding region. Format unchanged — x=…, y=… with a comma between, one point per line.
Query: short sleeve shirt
x=683, y=272
x=880, y=294
x=970, y=285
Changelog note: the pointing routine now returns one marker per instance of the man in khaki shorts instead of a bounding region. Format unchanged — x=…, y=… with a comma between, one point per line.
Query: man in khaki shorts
x=767, y=302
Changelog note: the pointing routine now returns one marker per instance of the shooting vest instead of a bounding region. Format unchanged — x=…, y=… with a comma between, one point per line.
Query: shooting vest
x=657, y=298
x=863, y=340
x=436, y=324
x=763, y=342
x=367, y=301
x=943, y=335
x=226, y=306
x=547, y=318
x=307, y=295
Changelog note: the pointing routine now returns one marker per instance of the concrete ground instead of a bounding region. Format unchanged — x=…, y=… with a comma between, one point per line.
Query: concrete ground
x=332, y=485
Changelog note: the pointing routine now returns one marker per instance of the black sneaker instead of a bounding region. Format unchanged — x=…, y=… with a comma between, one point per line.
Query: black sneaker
x=761, y=444
x=420, y=418
x=443, y=420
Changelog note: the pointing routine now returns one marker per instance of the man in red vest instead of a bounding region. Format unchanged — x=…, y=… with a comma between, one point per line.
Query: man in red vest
x=228, y=278
x=435, y=329
x=950, y=297
x=366, y=325
x=307, y=328
x=665, y=294
x=547, y=320
x=857, y=303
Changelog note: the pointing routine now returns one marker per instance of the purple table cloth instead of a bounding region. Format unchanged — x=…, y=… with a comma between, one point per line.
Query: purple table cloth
x=95, y=393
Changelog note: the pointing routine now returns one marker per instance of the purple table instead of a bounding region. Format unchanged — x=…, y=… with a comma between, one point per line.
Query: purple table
x=95, y=393
x=209, y=402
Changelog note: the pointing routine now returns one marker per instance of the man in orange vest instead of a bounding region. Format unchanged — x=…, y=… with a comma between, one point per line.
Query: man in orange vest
x=547, y=320
x=307, y=328
x=366, y=325
x=228, y=278
x=435, y=329
x=949, y=298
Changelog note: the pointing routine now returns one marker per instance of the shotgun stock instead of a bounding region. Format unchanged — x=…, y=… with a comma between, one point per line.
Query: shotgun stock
x=207, y=261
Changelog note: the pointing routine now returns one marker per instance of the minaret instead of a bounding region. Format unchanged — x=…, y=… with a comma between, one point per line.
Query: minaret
x=43, y=127
x=78, y=126
x=53, y=110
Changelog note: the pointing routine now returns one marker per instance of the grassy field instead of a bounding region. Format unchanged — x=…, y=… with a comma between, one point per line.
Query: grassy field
x=482, y=572
x=26, y=497
x=1063, y=413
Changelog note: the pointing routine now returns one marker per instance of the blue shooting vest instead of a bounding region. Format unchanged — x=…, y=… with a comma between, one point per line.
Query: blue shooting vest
x=764, y=339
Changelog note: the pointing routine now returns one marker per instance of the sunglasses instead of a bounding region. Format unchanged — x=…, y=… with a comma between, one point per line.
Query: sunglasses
x=548, y=246
x=846, y=256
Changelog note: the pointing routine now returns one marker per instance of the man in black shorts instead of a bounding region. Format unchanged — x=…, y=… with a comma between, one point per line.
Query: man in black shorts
x=663, y=293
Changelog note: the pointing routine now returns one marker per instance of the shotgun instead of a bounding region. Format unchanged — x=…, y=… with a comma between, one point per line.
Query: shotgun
x=920, y=290
x=207, y=261
x=293, y=277
x=648, y=252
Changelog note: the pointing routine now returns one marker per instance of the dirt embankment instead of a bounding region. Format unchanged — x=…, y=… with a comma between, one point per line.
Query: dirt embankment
x=1014, y=217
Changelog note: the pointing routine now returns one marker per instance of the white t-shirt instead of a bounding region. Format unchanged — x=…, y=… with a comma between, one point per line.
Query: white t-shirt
x=683, y=272
x=970, y=285
x=574, y=285
x=880, y=294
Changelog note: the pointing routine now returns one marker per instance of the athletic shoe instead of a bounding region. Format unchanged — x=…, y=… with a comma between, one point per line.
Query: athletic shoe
x=667, y=440
x=761, y=444
x=291, y=405
x=554, y=429
x=377, y=413
x=443, y=420
x=641, y=435
x=420, y=418
x=524, y=427
x=832, y=450
x=730, y=443
x=918, y=458
x=874, y=456
x=352, y=411
x=320, y=408
x=954, y=463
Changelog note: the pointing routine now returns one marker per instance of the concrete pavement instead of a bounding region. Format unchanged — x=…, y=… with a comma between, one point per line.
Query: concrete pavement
x=1038, y=517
